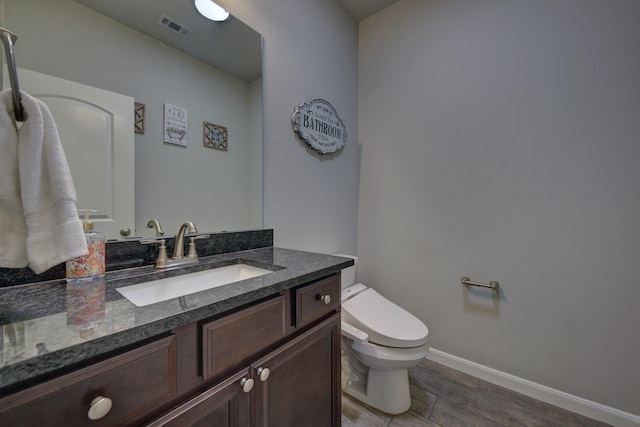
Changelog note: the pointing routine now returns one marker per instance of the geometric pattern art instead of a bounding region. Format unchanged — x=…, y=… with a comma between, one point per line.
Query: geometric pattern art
x=215, y=136
x=138, y=118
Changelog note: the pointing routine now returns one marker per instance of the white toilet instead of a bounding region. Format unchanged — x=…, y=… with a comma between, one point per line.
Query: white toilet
x=380, y=342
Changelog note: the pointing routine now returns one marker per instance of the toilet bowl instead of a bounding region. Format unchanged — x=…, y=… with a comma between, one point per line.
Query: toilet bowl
x=380, y=342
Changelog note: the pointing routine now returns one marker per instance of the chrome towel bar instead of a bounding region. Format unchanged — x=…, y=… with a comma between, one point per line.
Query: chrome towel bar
x=9, y=39
x=491, y=285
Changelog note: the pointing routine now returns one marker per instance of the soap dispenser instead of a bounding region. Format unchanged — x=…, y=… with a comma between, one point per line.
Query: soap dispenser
x=90, y=266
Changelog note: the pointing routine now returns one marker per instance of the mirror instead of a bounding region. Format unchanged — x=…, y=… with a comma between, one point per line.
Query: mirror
x=201, y=181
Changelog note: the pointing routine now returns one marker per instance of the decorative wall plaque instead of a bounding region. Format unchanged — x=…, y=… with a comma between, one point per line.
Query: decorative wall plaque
x=175, y=125
x=317, y=124
x=215, y=136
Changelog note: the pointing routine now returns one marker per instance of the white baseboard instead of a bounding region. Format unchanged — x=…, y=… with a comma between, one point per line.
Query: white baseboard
x=555, y=397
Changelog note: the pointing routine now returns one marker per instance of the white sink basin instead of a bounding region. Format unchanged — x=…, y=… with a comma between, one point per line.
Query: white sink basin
x=173, y=287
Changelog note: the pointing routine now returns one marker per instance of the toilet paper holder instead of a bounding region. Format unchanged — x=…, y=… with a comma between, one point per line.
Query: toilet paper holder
x=491, y=285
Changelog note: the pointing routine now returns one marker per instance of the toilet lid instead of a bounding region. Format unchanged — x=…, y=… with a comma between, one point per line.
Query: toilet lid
x=386, y=323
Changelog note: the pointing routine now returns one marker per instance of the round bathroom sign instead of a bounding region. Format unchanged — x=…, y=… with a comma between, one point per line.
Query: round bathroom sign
x=317, y=124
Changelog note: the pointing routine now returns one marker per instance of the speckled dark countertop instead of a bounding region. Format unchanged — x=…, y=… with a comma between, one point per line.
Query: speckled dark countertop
x=45, y=329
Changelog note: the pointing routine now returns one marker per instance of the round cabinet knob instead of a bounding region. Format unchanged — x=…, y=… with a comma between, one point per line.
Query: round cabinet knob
x=247, y=384
x=99, y=407
x=125, y=232
x=263, y=373
x=326, y=299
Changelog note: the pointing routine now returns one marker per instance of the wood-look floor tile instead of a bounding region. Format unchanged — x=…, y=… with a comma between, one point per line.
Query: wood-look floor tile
x=408, y=420
x=465, y=393
x=422, y=402
x=357, y=414
x=504, y=405
x=454, y=414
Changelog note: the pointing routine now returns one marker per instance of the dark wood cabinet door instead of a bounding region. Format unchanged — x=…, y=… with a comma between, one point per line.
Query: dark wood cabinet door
x=302, y=388
x=224, y=405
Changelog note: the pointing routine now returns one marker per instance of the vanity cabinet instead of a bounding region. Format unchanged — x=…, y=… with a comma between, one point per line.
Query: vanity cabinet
x=275, y=362
x=297, y=383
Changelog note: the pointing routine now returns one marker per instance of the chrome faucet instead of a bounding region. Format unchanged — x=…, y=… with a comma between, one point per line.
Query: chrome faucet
x=153, y=223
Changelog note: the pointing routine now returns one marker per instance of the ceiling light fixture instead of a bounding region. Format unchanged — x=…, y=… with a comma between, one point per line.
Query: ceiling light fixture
x=211, y=10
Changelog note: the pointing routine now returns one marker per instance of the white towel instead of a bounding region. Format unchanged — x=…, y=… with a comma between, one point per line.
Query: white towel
x=39, y=224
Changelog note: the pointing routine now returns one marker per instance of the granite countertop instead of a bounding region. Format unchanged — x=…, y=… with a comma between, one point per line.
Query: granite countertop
x=51, y=326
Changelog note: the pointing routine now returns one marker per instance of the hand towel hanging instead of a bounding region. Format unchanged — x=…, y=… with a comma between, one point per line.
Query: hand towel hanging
x=39, y=223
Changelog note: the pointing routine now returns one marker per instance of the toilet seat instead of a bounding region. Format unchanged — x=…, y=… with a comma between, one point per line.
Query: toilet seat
x=386, y=323
x=383, y=357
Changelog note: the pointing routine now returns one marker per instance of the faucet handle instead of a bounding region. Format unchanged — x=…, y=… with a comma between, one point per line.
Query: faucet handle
x=161, y=261
x=197, y=236
x=192, y=254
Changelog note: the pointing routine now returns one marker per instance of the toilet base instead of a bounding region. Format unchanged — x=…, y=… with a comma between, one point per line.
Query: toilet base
x=386, y=390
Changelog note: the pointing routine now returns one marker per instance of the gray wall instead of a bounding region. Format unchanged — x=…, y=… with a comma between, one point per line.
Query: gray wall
x=500, y=140
x=310, y=51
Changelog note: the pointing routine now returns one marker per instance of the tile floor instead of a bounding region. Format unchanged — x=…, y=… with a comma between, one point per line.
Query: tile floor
x=444, y=397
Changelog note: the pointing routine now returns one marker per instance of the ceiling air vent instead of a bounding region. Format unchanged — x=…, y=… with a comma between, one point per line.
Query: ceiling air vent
x=174, y=25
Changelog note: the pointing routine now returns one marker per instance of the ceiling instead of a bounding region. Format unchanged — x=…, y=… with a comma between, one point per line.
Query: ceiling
x=362, y=9
x=234, y=35
x=217, y=44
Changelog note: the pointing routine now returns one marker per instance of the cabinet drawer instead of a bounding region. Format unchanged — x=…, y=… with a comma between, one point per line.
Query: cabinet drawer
x=136, y=382
x=232, y=340
x=316, y=300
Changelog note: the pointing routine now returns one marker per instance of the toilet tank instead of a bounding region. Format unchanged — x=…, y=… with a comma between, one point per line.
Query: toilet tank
x=348, y=275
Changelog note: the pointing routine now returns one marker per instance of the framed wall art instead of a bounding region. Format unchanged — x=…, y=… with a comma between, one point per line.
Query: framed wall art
x=215, y=136
x=175, y=125
x=138, y=117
